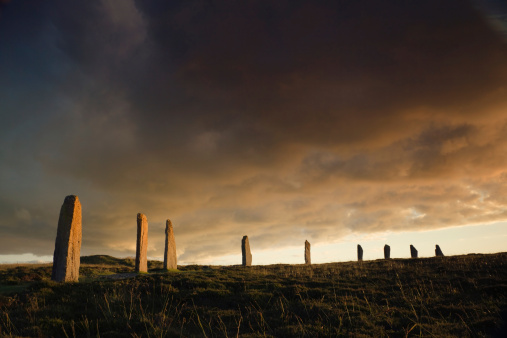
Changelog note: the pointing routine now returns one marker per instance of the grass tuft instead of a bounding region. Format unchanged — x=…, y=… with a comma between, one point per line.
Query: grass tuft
x=445, y=296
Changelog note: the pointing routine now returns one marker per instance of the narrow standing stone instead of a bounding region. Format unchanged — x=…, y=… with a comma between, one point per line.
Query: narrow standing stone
x=170, y=247
x=245, y=250
x=359, y=253
x=438, y=251
x=413, y=251
x=387, y=251
x=67, y=254
x=142, y=244
x=308, y=259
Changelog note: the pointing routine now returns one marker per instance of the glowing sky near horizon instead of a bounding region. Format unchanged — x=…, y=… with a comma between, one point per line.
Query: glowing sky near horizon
x=340, y=122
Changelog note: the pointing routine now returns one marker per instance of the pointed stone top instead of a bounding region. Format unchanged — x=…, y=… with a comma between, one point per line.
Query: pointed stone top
x=168, y=227
x=71, y=199
x=245, y=237
x=438, y=251
x=141, y=216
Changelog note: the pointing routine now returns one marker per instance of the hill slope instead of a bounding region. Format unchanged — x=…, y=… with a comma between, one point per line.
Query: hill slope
x=107, y=260
x=449, y=296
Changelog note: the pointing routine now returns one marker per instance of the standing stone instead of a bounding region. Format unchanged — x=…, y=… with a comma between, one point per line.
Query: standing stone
x=438, y=251
x=308, y=259
x=142, y=244
x=413, y=251
x=359, y=253
x=67, y=254
x=245, y=250
x=170, y=247
x=387, y=251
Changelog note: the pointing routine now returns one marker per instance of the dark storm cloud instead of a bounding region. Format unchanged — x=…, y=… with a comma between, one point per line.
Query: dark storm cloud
x=267, y=73
x=282, y=119
x=325, y=72
x=2, y=4
x=496, y=14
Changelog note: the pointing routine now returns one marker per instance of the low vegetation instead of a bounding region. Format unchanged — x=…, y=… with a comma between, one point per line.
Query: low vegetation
x=449, y=296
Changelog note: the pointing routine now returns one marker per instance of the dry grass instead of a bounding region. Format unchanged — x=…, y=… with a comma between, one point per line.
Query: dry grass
x=27, y=265
x=450, y=296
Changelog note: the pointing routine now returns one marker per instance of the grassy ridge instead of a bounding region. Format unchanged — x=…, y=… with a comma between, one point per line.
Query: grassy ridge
x=449, y=296
x=107, y=260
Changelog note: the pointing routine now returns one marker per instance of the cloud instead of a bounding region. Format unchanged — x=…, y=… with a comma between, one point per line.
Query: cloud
x=496, y=14
x=281, y=120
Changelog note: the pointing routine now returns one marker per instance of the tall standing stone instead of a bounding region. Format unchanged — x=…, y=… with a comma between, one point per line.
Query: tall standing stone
x=142, y=244
x=438, y=251
x=387, y=251
x=170, y=247
x=413, y=251
x=67, y=254
x=308, y=259
x=359, y=253
x=245, y=250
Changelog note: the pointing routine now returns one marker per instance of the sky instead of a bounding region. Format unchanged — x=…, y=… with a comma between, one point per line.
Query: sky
x=338, y=122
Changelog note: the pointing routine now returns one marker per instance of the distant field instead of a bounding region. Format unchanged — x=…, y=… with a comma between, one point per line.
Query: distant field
x=450, y=296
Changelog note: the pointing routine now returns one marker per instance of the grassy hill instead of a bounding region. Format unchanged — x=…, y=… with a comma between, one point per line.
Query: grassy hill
x=107, y=260
x=450, y=296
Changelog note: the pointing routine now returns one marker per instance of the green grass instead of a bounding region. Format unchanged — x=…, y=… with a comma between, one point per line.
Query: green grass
x=451, y=296
x=9, y=289
x=107, y=260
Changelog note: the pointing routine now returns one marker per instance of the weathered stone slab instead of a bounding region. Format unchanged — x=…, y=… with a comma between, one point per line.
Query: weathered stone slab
x=308, y=259
x=67, y=253
x=245, y=250
x=438, y=251
x=359, y=253
x=413, y=251
x=387, y=251
x=142, y=244
x=170, y=261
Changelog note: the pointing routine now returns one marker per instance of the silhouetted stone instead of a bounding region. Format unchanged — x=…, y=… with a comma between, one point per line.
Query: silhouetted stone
x=359, y=253
x=413, y=251
x=245, y=250
x=308, y=259
x=170, y=261
x=438, y=252
x=142, y=244
x=387, y=251
x=66, y=257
